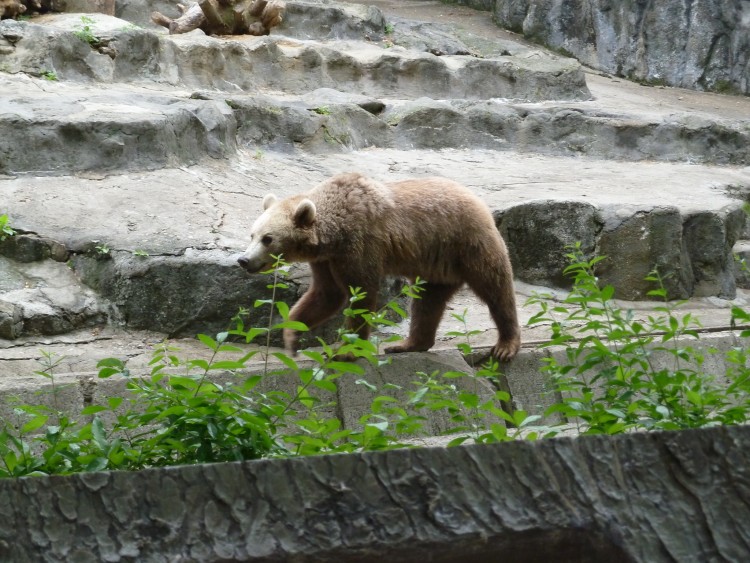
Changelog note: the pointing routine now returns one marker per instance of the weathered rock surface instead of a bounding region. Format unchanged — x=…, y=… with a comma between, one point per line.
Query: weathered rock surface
x=105, y=168
x=640, y=498
x=119, y=53
x=686, y=43
x=45, y=297
x=68, y=128
x=190, y=223
x=137, y=100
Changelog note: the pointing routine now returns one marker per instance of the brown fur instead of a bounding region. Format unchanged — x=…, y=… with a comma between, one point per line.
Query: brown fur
x=363, y=230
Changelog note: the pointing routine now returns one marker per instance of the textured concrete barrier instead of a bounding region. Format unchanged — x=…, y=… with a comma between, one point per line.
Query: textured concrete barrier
x=641, y=497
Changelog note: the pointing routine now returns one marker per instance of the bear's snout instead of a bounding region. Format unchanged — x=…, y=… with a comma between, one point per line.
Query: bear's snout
x=251, y=266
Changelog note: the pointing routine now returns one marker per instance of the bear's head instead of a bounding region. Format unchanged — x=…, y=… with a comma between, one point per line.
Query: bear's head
x=285, y=228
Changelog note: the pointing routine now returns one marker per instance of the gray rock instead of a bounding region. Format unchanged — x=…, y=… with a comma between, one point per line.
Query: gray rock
x=709, y=240
x=323, y=96
x=703, y=45
x=644, y=497
x=741, y=254
x=539, y=233
x=44, y=297
x=138, y=12
x=331, y=20
x=634, y=247
x=64, y=132
x=199, y=291
x=11, y=320
x=325, y=126
x=32, y=248
x=249, y=63
x=428, y=37
x=567, y=131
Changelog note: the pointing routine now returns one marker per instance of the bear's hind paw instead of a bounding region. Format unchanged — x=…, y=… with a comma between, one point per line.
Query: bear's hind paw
x=405, y=346
x=506, y=350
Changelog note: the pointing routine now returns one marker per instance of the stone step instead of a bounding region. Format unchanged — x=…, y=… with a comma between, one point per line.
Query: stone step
x=76, y=354
x=158, y=248
x=66, y=127
x=152, y=227
x=122, y=54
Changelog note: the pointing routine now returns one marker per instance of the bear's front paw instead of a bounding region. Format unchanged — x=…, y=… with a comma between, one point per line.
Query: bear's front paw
x=408, y=345
x=291, y=341
x=396, y=348
x=506, y=350
x=346, y=357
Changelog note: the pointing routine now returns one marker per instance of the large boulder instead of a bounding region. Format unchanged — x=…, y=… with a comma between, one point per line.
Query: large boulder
x=643, y=241
x=539, y=234
x=689, y=43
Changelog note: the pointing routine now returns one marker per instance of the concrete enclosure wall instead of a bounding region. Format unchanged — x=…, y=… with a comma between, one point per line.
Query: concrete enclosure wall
x=646, y=497
x=703, y=45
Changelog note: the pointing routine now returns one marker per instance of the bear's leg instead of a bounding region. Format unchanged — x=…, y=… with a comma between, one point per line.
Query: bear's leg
x=494, y=286
x=320, y=302
x=426, y=314
x=368, y=282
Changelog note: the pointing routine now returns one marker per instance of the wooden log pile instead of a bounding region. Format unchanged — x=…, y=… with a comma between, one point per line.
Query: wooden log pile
x=225, y=17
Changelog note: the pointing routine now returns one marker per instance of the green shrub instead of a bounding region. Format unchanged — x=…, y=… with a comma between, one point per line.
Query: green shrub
x=620, y=373
x=617, y=374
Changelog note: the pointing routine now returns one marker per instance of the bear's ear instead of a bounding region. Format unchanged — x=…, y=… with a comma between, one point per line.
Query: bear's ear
x=269, y=200
x=304, y=215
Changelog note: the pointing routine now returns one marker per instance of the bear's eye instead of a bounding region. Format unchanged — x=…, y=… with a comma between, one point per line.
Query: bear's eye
x=266, y=240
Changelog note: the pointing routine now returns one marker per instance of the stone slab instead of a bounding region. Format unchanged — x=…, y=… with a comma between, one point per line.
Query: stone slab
x=646, y=497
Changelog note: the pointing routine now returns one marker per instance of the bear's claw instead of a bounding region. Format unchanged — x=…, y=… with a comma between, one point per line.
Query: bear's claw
x=505, y=351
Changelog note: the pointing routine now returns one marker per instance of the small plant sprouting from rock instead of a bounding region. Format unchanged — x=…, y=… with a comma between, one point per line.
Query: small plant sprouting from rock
x=130, y=27
x=388, y=29
x=140, y=253
x=86, y=32
x=50, y=75
x=322, y=110
x=102, y=249
x=5, y=229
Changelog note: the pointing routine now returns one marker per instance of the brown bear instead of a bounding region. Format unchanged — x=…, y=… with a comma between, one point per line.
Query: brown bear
x=354, y=231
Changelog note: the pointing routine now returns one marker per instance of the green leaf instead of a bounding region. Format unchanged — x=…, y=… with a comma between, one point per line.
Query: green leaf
x=367, y=384
x=293, y=325
x=97, y=431
x=97, y=464
x=34, y=424
x=227, y=364
x=106, y=372
x=111, y=363
x=325, y=385
x=251, y=334
x=114, y=402
x=346, y=367
x=201, y=364
x=457, y=441
x=208, y=341
x=283, y=309
x=315, y=356
x=499, y=431
x=286, y=360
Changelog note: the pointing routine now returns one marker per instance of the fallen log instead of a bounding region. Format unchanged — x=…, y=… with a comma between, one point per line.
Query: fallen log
x=225, y=17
